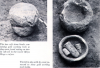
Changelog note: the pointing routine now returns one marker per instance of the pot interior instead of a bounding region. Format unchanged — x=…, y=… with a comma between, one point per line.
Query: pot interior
x=74, y=41
x=74, y=13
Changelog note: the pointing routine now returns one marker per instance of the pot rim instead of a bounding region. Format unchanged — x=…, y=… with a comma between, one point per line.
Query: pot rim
x=86, y=20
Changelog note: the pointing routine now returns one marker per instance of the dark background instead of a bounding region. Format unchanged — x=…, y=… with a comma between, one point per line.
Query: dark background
x=91, y=35
x=6, y=32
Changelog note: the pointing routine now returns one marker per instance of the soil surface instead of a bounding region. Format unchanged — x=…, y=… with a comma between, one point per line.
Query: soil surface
x=6, y=32
x=91, y=35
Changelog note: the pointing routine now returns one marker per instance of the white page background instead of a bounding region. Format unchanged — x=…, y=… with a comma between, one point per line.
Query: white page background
x=39, y=51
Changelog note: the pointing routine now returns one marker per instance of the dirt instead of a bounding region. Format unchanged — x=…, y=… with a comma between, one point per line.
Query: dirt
x=73, y=13
x=91, y=35
x=6, y=32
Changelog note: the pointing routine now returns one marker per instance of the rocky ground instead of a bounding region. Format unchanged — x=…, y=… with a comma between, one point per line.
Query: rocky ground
x=6, y=32
x=91, y=35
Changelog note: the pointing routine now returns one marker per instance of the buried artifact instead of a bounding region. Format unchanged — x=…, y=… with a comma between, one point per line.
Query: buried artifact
x=76, y=16
x=23, y=17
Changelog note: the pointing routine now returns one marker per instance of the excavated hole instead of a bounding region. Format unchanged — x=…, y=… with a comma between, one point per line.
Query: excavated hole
x=74, y=13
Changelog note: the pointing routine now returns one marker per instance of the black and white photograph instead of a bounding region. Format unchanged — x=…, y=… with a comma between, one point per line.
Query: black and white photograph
x=76, y=33
x=49, y=33
x=23, y=20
